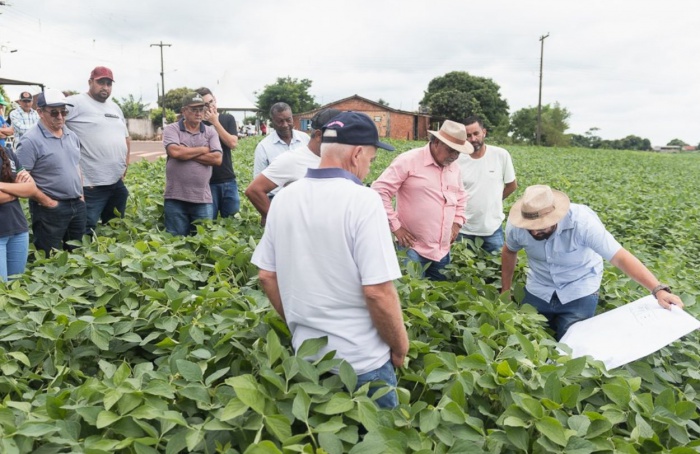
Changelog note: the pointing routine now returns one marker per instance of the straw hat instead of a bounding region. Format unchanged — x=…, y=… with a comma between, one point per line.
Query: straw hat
x=539, y=207
x=454, y=135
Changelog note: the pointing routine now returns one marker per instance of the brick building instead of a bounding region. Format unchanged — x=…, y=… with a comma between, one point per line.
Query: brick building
x=391, y=123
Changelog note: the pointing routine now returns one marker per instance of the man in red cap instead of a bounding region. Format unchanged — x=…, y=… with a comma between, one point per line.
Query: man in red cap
x=104, y=148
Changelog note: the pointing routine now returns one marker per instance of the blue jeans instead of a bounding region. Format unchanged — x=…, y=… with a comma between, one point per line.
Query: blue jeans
x=13, y=254
x=561, y=316
x=54, y=227
x=225, y=199
x=492, y=243
x=434, y=270
x=384, y=374
x=101, y=201
x=180, y=215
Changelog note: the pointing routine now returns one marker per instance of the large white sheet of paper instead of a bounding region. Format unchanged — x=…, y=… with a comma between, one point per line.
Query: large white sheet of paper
x=628, y=333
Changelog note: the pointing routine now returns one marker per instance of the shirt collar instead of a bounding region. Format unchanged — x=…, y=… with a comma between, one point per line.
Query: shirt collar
x=181, y=123
x=332, y=172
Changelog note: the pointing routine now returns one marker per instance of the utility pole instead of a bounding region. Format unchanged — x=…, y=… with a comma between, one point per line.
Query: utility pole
x=539, y=101
x=162, y=77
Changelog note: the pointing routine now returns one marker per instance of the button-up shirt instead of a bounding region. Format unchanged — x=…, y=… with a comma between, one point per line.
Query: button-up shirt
x=22, y=121
x=568, y=262
x=429, y=199
x=272, y=146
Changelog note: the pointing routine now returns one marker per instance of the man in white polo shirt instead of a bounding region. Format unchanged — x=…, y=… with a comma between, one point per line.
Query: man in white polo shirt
x=289, y=167
x=327, y=261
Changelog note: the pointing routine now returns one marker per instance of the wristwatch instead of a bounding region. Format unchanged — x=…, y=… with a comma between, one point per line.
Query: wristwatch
x=659, y=288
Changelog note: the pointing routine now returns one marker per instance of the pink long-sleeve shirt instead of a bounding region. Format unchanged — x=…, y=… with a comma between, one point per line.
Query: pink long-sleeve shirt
x=429, y=199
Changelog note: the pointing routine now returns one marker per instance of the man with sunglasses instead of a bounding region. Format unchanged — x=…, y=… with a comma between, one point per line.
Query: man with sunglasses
x=50, y=152
x=25, y=117
x=193, y=148
x=104, y=148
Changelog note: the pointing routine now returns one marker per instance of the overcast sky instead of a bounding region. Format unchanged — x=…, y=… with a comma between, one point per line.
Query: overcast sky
x=626, y=67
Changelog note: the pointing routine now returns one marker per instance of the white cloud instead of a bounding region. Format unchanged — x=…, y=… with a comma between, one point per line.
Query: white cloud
x=625, y=67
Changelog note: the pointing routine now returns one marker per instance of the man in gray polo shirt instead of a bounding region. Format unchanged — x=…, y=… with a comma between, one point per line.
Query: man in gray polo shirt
x=50, y=152
x=104, y=147
x=192, y=148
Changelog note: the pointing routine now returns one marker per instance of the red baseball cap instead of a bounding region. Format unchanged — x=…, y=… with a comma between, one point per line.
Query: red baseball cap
x=102, y=72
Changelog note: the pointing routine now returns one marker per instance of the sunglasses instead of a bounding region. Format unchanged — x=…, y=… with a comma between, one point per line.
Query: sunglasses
x=104, y=82
x=25, y=100
x=56, y=113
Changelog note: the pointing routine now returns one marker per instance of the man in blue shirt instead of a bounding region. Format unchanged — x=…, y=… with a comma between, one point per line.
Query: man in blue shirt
x=565, y=245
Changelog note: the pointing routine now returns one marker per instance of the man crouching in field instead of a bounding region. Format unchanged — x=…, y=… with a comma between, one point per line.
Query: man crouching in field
x=327, y=261
x=565, y=245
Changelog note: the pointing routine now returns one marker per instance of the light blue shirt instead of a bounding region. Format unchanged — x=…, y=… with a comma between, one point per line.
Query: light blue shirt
x=272, y=146
x=569, y=262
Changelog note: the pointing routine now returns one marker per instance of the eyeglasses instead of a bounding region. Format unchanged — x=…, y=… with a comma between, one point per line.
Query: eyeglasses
x=196, y=109
x=56, y=113
x=104, y=82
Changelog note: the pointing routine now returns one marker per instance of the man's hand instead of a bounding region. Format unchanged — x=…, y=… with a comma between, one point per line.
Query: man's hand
x=666, y=300
x=404, y=237
x=211, y=115
x=398, y=358
x=455, y=232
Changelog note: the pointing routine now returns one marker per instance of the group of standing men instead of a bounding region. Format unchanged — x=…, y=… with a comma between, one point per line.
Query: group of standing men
x=77, y=154
x=327, y=261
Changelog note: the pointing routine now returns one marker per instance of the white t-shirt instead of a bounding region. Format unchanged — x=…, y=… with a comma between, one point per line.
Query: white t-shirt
x=326, y=236
x=484, y=180
x=292, y=166
x=102, y=131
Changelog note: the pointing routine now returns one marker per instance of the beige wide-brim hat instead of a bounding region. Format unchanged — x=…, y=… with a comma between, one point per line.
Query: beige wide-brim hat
x=454, y=135
x=539, y=207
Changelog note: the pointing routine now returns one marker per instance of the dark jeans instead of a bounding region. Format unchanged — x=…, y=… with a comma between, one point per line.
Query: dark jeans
x=54, y=227
x=101, y=201
x=225, y=198
x=180, y=215
x=387, y=375
x=434, y=270
x=561, y=316
x=492, y=243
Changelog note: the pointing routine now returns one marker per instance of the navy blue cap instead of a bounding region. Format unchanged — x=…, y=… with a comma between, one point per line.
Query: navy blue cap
x=353, y=128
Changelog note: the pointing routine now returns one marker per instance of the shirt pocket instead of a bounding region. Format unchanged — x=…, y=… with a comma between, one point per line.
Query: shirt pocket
x=450, y=196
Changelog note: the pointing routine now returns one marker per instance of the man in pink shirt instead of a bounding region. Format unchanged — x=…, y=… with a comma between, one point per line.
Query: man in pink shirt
x=430, y=197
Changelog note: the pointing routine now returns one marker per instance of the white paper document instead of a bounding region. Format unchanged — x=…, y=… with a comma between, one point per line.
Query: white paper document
x=630, y=332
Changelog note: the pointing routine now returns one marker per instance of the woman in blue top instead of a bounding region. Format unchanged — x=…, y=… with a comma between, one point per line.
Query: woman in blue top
x=14, y=231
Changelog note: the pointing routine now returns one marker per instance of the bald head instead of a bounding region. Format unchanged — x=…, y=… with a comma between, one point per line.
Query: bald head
x=356, y=159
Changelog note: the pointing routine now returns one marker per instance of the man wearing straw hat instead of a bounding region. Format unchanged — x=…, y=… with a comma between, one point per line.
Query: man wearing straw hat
x=565, y=245
x=430, y=197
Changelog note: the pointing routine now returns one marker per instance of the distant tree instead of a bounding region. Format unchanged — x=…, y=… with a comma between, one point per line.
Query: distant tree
x=131, y=107
x=157, y=117
x=677, y=142
x=69, y=92
x=633, y=142
x=173, y=98
x=292, y=91
x=555, y=122
x=382, y=102
x=457, y=94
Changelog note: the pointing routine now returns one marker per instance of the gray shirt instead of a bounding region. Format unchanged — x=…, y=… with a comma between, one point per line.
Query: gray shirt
x=102, y=130
x=189, y=180
x=52, y=161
